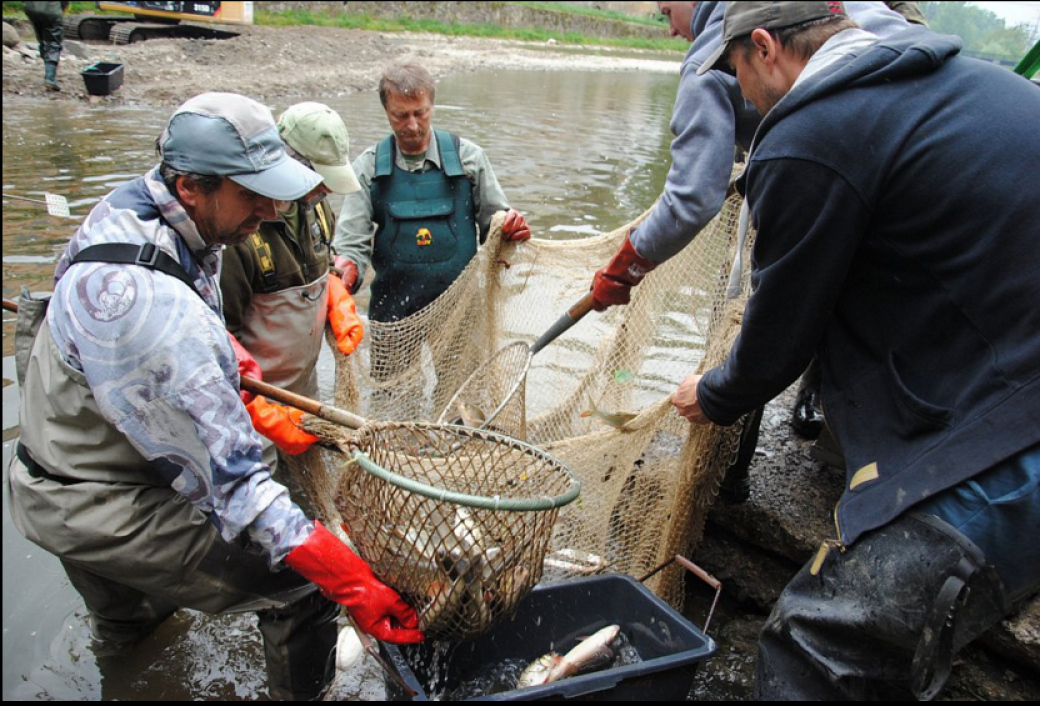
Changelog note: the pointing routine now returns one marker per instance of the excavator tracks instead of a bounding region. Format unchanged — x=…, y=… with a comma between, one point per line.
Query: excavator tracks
x=125, y=30
x=133, y=32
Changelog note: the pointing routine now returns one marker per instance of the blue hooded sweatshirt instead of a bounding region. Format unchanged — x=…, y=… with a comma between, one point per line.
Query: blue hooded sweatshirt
x=897, y=204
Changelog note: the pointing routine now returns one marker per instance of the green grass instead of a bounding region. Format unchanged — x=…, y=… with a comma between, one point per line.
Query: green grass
x=15, y=8
x=657, y=20
x=290, y=18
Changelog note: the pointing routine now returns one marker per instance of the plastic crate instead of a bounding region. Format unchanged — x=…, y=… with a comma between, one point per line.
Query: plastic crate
x=553, y=617
x=102, y=78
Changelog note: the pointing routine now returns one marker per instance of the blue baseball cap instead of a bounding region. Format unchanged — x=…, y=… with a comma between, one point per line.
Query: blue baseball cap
x=228, y=135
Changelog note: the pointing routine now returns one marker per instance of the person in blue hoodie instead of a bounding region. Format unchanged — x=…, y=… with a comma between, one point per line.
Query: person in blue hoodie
x=898, y=173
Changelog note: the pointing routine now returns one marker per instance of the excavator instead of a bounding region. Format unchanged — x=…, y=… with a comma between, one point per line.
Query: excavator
x=159, y=20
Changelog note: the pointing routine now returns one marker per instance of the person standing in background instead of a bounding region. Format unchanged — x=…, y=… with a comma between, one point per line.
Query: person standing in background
x=46, y=18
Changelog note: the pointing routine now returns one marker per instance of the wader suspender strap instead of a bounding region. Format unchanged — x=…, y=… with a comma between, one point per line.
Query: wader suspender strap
x=264, y=259
x=447, y=143
x=147, y=255
x=322, y=215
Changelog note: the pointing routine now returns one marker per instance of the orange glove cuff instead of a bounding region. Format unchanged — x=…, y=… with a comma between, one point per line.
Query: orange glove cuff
x=247, y=366
x=343, y=318
x=281, y=425
x=612, y=284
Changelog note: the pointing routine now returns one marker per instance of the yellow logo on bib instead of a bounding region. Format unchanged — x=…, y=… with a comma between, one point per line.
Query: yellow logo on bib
x=423, y=237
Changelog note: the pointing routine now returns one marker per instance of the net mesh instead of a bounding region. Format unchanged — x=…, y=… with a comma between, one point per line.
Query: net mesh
x=462, y=562
x=646, y=486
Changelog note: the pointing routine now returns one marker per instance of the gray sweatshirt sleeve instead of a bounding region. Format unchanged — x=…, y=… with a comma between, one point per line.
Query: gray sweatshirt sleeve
x=488, y=197
x=704, y=125
x=354, y=227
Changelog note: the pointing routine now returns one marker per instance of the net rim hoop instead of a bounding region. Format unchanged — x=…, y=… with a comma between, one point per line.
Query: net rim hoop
x=480, y=502
x=446, y=412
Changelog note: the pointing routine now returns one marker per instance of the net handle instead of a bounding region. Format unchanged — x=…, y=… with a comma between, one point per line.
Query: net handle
x=479, y=502
x=572, y=316
x=324, y=411
x=349, y=419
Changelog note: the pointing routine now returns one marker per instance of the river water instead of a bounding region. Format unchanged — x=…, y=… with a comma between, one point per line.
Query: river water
x=577, y=152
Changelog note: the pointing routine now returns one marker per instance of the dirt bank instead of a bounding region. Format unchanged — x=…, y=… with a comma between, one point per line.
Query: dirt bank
x=279, y=63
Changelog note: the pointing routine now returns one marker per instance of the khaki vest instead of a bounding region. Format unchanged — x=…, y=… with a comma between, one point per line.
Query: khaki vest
x=63, y=429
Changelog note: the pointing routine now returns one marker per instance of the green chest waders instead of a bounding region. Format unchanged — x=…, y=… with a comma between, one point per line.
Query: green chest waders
x=426, y=232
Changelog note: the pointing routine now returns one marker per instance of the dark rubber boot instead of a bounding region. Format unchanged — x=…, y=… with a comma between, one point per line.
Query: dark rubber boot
x=50, y=76
x=881, y=620
x=807, y=415
x=736, y=484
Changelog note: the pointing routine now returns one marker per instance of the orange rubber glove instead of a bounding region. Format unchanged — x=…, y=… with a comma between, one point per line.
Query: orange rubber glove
x=346, y=324
x=349, y=270
x=515, y=228
x=612, y=285
x=247, y=367
x=280, y=424
x=346, y=578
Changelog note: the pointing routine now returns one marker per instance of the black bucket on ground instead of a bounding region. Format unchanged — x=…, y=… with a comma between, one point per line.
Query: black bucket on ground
x=102, y=78
x=554, y=617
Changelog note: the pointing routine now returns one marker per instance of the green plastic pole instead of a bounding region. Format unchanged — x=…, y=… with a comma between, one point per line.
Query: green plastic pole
x=1030, y=63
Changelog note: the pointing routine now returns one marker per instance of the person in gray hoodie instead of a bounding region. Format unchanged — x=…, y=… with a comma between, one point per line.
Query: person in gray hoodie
x=710, y=119
x=895, y=172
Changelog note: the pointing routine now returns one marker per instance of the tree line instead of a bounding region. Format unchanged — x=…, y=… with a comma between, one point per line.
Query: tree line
x=985, y=34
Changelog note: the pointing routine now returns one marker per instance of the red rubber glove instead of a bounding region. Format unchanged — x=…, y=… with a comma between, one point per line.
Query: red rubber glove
x=515, y=228
x=280, y=424
x=346, y=324
x=349, y=270
x=345, y=578
x=612, y=285
x=247, y=367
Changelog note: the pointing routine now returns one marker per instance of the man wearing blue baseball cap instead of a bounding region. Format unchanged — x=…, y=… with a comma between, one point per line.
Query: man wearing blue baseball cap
x=871, y=169
x=137, y=464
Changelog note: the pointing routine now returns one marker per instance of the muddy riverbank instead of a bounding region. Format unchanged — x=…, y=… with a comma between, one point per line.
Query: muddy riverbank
x=275, y=63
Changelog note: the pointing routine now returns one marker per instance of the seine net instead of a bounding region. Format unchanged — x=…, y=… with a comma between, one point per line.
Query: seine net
x=645, y=485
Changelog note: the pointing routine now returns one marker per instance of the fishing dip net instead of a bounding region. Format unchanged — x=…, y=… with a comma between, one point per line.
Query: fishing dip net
x=647, y=476
x=458, y=520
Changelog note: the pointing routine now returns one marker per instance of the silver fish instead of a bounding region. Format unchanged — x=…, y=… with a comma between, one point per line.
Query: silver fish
x=592, y=652
x=470, y=415
x=538, y=671
x=616, y=420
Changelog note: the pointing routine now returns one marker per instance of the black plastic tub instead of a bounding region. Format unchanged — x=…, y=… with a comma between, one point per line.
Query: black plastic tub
x=554, y=617
x=102, y=78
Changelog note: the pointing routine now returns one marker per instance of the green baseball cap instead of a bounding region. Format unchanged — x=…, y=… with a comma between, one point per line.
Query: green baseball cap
x=743, y=18
x=316, y=132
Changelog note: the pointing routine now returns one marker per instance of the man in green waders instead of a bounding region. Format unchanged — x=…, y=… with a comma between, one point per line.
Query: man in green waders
x=425, y=205
x=46, y=18
x=426, y=202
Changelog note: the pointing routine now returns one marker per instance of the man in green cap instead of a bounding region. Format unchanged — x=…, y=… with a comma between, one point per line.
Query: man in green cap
x=276, y=285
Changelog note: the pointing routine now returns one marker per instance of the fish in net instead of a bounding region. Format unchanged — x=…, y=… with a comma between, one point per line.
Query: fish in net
x=647, y=485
